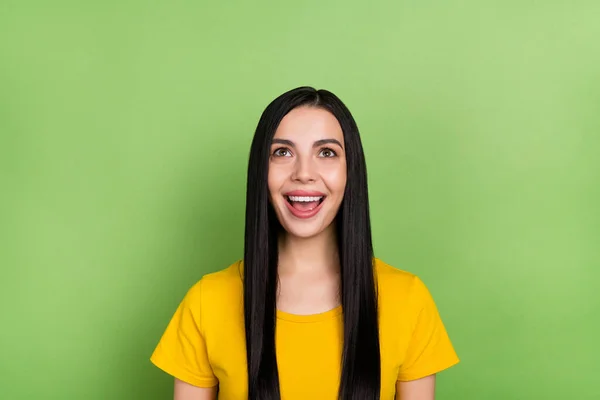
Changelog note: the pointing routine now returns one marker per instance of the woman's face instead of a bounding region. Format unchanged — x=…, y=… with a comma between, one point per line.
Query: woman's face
x=307, y=171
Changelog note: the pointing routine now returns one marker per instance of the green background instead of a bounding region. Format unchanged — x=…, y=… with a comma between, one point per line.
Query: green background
x=125, y=130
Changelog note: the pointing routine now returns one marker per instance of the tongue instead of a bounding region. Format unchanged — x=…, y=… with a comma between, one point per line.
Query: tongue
x=305, y=205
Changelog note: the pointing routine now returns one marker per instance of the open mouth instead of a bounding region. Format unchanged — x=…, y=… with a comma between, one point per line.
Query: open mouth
x=305, y=203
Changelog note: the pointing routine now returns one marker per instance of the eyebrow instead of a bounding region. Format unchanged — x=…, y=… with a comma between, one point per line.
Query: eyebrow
x=315, y=144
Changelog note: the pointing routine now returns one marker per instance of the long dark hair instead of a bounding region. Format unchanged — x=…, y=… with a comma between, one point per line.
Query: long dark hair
x=361, y=370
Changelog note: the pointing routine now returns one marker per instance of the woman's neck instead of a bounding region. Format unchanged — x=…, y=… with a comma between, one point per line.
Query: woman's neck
x=317, y=255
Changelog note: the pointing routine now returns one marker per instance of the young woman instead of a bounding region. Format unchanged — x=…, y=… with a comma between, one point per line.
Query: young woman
x=309, y=313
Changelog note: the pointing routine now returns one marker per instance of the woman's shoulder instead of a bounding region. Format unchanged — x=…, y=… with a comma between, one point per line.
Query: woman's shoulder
x=390, y=275
x=221, y=283
x=230, y=275
x=396, y=285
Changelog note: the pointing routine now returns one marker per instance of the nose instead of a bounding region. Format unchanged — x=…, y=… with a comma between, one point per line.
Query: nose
x=304, y=170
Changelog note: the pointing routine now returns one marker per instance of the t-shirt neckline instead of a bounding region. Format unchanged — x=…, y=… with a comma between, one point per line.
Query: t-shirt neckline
x=334, y=312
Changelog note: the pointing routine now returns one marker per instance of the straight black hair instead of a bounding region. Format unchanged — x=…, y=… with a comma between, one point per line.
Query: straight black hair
x=361, y=370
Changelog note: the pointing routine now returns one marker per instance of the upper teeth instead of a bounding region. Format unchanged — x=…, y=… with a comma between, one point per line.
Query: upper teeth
x=305, y=198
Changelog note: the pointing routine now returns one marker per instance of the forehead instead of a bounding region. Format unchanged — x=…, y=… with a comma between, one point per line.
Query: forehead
x=309, y=123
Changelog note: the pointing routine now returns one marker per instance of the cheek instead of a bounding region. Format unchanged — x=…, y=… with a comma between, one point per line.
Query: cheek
x=336, y=181
x=275, y=179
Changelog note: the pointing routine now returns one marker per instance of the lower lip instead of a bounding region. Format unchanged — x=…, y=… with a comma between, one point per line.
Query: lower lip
x=303, y=214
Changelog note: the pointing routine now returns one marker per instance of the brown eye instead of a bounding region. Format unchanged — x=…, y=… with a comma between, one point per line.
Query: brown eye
x=281, y=152
x=327, y=153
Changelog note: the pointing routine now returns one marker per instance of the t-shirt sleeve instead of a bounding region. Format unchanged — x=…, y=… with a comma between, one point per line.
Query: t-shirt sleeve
x=429, y=350
x=181, y=352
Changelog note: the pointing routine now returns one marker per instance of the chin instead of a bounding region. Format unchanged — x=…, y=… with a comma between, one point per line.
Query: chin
x=303, y=232
x=305, y=229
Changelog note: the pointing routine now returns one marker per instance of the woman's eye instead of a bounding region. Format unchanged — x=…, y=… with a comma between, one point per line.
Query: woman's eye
x=281, y=152
x=327, y=153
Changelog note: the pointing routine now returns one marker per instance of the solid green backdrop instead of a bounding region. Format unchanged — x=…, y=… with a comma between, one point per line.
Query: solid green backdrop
x=125, y=130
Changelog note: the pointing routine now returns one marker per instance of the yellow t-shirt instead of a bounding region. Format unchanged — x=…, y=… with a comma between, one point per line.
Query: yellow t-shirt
x=204, y=344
